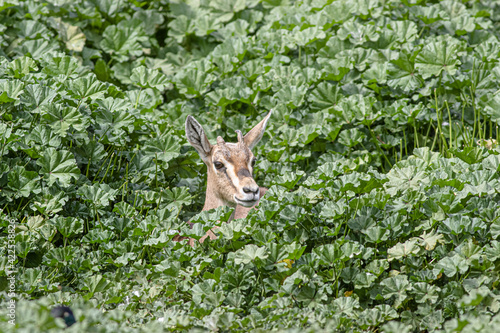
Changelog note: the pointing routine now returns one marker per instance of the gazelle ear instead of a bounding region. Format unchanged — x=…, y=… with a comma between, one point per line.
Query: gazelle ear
x=197, y=138
x=255, y=134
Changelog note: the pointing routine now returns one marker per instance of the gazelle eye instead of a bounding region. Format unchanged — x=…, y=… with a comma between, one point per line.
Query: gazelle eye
x=218, y=165
x=253, y=162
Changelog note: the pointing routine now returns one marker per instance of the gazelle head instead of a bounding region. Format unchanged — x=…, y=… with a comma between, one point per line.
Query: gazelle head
x=229, y=165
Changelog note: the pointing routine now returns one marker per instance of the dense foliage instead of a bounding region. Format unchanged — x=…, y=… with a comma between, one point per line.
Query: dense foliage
x=381, y=162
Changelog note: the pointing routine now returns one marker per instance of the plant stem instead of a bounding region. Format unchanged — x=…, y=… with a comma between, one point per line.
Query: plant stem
x=433, y=141
x=450, y=123
x=400, y=149
x=416, y=144
x=406, y=144
x=378, y=148
x=107, y=169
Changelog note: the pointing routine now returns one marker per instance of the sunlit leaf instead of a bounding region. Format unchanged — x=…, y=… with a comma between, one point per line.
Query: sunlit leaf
x=58, y=165
x=71, y=35
x=438, y=56
x=123, y=41
x=22, y=183
x=249, y=254
x=145, y=78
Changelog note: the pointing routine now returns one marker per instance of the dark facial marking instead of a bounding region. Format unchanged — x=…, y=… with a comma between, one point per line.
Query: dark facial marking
x=242, y=173
x=224, y=170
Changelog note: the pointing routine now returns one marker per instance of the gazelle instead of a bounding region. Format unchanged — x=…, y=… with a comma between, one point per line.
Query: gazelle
x=229, y=169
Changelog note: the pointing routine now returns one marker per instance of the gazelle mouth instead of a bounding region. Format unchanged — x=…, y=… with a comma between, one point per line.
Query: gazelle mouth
x=246, y=203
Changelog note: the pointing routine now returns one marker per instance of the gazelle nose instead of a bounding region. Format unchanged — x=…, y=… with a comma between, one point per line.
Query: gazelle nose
x=251, y=189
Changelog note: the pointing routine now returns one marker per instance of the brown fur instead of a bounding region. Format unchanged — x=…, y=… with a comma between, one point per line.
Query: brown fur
x=233, y=184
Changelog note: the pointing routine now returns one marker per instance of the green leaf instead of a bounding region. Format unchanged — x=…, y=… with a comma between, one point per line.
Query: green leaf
x=402, y=73
x=59, y=256
x=68, y=226
x=99, y=195
x=20, y=67
x=249, y=254
x=404, y=179
x=86, y=87
x=40, y=138
x=428, y=14
x=58, y=165
x=492, y=106
x=125, y=258
x=114, y=125
x=203, y=292
x=470, y=155
x=493, y=250
x=425, y=292
x=334, y=69
x=230, y=91
x=430, y=240
x=452, y=265
x=71, y=35
x=351, y=137
x=180, y=27
x=10, y=90
x=102, y=71
x=307, y=36
x=158, y=242
x=169, y=268
x=228, y=6
x=328, y=254
x=23, y=183
x=151, y=20
x=437, y=56
x=290, y=179
x=325, y=96
x=396, y=287
x=61, y=119
x=37, y=48
x=90, y=152
x=402, y=250
x=142, y=165
x=358, y=33
x=35, y=95
x=358, y=108
x=252, y=69
x=49, y=202
x=460, y=25
x=97, y=236
x=6, y=4
x=235, y=48
x=238, y=28
x=62, y=65
x=144, y=100
x=164, y=148
x=475, y=297
x=194, y=82
x=376, y=234
x=94, y=284
x=124, y=40
x=405, y=30
x=332, y=210
x=206, y=23
x=175, y=197
x=148, y=78
x=291, y=96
